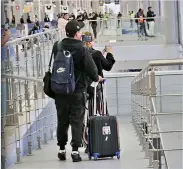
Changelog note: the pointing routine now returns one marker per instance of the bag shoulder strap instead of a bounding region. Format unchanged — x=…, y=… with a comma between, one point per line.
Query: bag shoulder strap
x=59, y=46
x=52, y=53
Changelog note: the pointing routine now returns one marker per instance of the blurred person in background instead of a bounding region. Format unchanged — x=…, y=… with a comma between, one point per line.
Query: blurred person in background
x=7, y=21
x=150, y=21
x=6, y=63
x=119, y=19
x=5, y=37
x=94, y=24
x=100, y=16
x=72, y=16
x=35, y=28
x=13, y=20
x=22, y=20
x=132, y=16
x=29, y=20
x=62, y=21
x=36, y=19
x=85, y=16
x=46, y=19
x=80, y=19
x=140, y=21
x=106, y=17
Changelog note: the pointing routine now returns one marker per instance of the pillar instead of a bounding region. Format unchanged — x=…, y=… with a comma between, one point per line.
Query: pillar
x=124, y=10
x=37, y=9
x=132, y=6
x=18, y=10
x=3, y=17
x=41, y=8
x=145, y=5
x=180, y=16
x=57, y=8
x=170, y=22
x=155, y=4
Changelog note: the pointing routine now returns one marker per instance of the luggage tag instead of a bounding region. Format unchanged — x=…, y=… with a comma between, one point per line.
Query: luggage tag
x=106, y=130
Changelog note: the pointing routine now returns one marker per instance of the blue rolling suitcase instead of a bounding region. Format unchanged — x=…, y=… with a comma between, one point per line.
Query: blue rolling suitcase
x=103, y=138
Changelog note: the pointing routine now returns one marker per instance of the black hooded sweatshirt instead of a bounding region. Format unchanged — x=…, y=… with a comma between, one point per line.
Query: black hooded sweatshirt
x=101, y=62
x=84, y=65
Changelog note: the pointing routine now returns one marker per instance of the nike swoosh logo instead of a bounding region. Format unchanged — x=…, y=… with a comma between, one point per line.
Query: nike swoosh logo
x=61, y=69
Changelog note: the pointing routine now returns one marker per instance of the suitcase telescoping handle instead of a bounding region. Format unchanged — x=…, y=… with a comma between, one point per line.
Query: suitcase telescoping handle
x=104, y=97
x=95, y=96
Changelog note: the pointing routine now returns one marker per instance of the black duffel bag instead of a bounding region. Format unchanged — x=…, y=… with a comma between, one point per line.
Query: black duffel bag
x=47, y=78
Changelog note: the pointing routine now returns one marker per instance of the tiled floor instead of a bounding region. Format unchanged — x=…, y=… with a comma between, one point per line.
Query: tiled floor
x=132, y=156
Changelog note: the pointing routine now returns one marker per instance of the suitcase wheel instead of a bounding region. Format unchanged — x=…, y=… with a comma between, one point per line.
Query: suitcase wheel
x=89, y=156
x=118, y=155
x=95, y=155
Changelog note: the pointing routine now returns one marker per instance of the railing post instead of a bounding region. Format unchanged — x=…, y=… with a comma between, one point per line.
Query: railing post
x=146, y=149
x=153, y=84
x=156, y=164
x=39, y=142
x=151, y=158
x=3, y=146
x=51, y=132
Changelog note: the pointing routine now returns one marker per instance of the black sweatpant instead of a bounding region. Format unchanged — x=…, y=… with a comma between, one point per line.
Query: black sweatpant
x=70, y=110
x=94, y=27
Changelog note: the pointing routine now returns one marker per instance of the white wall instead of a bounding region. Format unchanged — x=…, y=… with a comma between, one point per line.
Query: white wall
x=143, y=52
x=119, y=92
x=113, y=7
x=180, y=17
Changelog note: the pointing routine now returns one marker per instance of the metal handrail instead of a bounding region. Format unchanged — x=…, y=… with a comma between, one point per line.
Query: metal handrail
x=22, y=77
x=166, y=62
x=158, y=126
x=153, y=63
x=31, y=36
x=144, y=86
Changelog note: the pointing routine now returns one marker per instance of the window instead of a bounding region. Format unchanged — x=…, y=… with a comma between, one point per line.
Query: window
x=116, y=2
x=107, y=1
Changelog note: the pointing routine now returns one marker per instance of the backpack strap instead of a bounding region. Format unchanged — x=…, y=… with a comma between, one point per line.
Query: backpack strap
x=59, y=46
x=52, y=53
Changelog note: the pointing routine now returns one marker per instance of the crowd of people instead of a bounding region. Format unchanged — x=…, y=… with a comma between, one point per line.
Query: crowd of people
x=63, y=18
x=145, y=22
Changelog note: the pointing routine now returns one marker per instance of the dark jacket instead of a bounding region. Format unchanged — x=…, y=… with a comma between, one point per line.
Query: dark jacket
x=101, y=62
x=84, y=65
x=34, y=29
x=21, y=20
x=46, y=19
x=150, y=14
x=94, y=18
